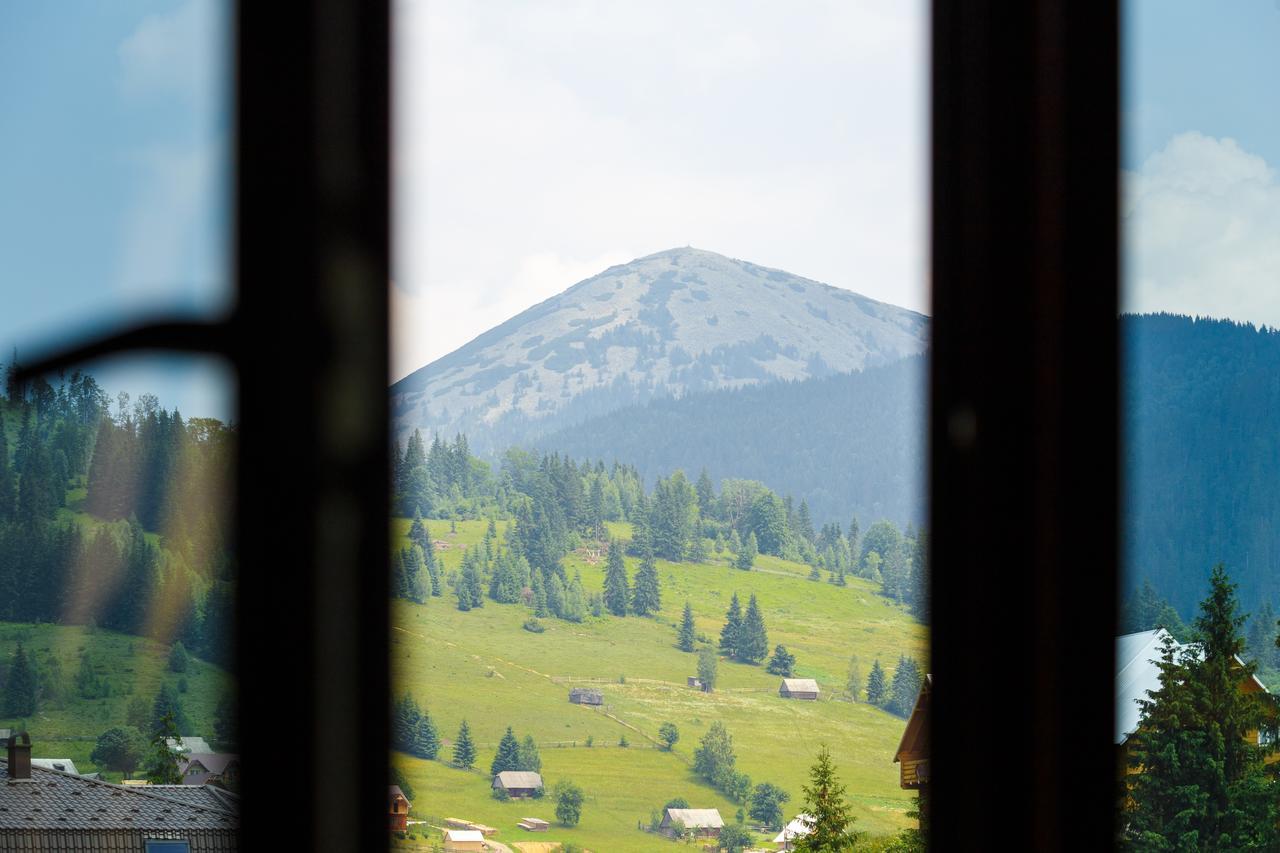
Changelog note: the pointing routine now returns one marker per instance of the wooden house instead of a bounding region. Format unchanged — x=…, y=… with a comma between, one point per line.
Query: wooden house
x=462, y=840
x=700, y=823
x=798, y=688
x=912, y=756
x=398, y=809
x=586, y=696
x=518, y=784
x=199, y=768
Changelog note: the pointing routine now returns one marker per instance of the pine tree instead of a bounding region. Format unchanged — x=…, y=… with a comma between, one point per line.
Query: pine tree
x=906, y=685
x=167, y=705
x=20, y=687
x=687, y=634
x=707, y=664
x=615, y=581
x=426, y=740
x=830, y=823
x=852, y=536
x=163, y=766
x=804, y=522
x=8, y=486
x=782, y=663
x=732, y=629
x=508, y=755
x=753, y=641
x=853, y=682
x=876, y=688
x=747, y=555
x=464, y=750
x=529, y=759
x=646, y=597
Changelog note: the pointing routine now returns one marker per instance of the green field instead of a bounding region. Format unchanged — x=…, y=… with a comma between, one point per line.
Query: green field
x=482, y=666
x=68, y=726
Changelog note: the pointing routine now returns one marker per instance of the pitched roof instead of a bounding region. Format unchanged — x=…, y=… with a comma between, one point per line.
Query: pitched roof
x=396, y=792
x=66, y=765
x=801, y=824
x=800, y=685
x=51, y=799
x=189, y=744
x=518, y=779
x=463, y=835
x=696, y=818
x=214, y=762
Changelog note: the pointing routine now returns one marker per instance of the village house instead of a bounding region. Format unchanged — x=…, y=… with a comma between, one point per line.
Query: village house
x=200, y=768
x=398, y=809
x=586, y=696
x=44, y=809
x=912, y=756
x=798, y=688
x=700, y=823
x=518, y=784
x=462, y=840
x=800, y=825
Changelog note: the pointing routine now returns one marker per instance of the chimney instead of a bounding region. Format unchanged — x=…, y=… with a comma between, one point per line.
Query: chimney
x=19, y=756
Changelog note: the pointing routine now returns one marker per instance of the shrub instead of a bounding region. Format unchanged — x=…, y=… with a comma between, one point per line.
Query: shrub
x=623, y=742
x=178, y=658
x=501, y=794
x=533, y=626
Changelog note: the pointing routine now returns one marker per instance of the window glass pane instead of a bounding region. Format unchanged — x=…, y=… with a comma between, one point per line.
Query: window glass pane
x=116, y=479
x=1201, y=206
x=659, y=346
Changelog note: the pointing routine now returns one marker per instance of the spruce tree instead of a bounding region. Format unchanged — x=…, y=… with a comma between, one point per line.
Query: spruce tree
x=687, y=634
x=753, y=642
x=876, y=688
x=168, y=705
x=426, y=740
x=508, y=755
x=404, y=723
x=464, y=749
x=732, y=629
x=8, y=485
x=162, y=760
x=747, y=555
x=529, y=759
x=830, y=823
x=905, y=687
x=20, y=686
x=782, y=663
x=646, y=598
x=615, y=581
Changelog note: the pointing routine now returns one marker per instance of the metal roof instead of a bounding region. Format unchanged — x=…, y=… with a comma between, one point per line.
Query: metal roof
x=518, y=779
x=696, y=818
x=800, y=685
x=801, y=824
x=60, y=801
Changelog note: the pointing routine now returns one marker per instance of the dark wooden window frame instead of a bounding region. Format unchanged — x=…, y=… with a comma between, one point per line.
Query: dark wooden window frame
x=1023, y=420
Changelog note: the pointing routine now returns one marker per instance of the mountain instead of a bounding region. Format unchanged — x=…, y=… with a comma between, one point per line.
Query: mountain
x=848, y=444
x=668, y=324
x=1201, y=457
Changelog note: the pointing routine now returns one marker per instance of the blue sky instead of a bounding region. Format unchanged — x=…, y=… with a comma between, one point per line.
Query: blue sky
x=114, y=172
x=555, y=141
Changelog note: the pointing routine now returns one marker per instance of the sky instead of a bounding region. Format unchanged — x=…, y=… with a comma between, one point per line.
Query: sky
x=538, y=143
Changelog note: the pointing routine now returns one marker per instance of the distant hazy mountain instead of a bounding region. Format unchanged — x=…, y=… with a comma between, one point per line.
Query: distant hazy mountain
x=672, y=323
x=847, y=444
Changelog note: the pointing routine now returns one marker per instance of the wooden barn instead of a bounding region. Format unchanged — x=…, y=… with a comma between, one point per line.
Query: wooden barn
x=586, y=696
x=518, y=784
x=700, y=823
x=912, y=756
x=398, y=809
x=798, y=688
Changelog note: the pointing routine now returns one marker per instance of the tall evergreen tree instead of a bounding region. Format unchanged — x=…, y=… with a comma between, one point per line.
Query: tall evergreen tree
x=830, y=823
x=753, y=641
x=732, y=629
x=905, y=686
x=508, y=755
x=646, y=597
x=616, y=591
x=464, y=749
x=747, y=555
x=20, y=686
x=426, y=740
x=163, y=766
x=529, y=759
x=853, y=535
x=877, y=690
x=168, y=706
x=782, y=663
x=8, y=490
x=687, y=633
x=707, y=665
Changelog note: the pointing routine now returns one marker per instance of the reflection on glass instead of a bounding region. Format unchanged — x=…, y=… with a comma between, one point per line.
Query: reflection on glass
x=1197, y=659
x=658, y=547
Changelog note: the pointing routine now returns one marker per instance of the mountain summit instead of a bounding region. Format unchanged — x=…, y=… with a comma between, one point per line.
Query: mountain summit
x=671, y=323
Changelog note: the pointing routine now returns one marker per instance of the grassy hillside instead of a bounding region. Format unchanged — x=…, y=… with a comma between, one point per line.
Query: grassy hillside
x=68, y=726
x=482, y=666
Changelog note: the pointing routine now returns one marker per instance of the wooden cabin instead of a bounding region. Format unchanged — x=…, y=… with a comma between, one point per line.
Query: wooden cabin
x=700, y=823
x=463, y=840
x=912, y=756
x=586, y=696
x=694, y=682
x=398, y=809
x=519, y=784
x=798, y=688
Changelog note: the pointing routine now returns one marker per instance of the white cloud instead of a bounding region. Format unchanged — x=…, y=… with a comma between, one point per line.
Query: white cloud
x=1202, y=232
x=536, y=145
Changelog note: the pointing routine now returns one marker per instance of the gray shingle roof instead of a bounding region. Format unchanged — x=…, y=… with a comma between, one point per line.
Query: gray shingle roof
x=59, y=801
x=696, y=818
x=518, y=779
x=800, y=685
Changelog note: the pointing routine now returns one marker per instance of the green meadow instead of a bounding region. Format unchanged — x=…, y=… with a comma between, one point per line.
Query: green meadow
x=482, y=666
x=67, y=726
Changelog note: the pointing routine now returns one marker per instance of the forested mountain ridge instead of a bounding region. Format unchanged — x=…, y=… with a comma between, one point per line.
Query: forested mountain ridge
x=1201, y=456
x=678, y=321
x=849, y=444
